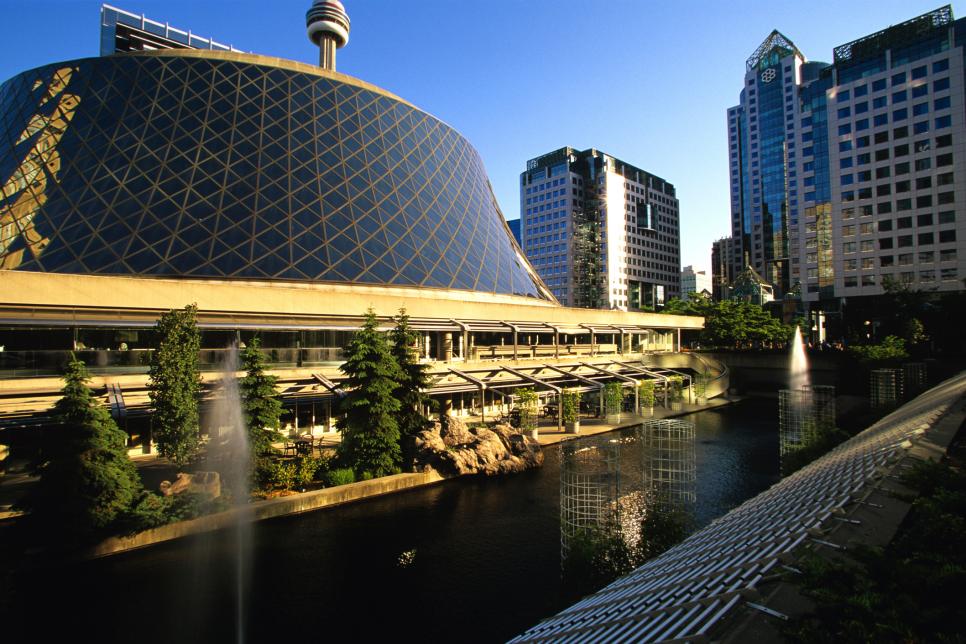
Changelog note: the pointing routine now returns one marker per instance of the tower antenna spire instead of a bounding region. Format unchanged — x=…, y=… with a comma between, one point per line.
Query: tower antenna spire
x=327, y=25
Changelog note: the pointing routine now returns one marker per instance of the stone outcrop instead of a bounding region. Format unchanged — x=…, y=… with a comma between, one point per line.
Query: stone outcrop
x=204, y=483
x=456, y=449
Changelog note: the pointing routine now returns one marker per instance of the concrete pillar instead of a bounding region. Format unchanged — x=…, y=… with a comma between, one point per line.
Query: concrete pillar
x=462, y=351
x=446, y=348
x=426, y=344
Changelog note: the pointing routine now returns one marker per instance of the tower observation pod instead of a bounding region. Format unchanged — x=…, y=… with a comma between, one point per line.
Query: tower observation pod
x=327, y=25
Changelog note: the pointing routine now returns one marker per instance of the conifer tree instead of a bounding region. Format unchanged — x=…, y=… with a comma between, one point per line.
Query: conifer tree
x=175, y=386
x=87, y=482
x=260, y=401
x=414, y=380
x=370, y=430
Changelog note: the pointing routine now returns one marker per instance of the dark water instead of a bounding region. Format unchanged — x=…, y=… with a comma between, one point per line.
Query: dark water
x=486, y=562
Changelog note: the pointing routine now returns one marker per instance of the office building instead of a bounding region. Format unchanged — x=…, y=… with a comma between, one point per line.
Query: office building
x=725, y=253
x=600, y=232
x=847, y=175
x=693, y=281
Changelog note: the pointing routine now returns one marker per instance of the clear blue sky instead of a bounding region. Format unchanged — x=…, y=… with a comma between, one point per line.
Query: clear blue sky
x=646, y=81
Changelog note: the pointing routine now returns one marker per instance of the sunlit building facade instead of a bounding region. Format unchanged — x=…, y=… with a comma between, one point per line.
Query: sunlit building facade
x=847, y=175
x=600, y=232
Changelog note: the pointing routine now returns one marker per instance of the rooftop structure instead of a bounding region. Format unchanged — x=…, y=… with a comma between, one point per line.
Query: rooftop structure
x=123, y=31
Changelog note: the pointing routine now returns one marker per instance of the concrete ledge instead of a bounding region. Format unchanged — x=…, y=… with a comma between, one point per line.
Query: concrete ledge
x=269, y=509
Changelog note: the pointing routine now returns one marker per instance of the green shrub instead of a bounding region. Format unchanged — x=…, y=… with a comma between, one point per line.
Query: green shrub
x=613, y=397
x=646, y=393
x=890, y=350
x=527, y=404
x=305, y=469
x=571, y=405
x=676, y=384
x=340, y=476
x=274, y=474
x=189, y=505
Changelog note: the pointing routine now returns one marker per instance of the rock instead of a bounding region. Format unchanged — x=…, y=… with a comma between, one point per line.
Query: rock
x=204, y=483
x=458, y=450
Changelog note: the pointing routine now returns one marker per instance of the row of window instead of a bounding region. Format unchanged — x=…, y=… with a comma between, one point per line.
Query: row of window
x=897, y=79
x=901, y=241
x=918, y=109
x=544, y=186
x=945, y=275
x=919, y=127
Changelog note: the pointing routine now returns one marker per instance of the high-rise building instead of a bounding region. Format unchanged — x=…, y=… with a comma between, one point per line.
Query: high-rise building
x=724, y=257
x=693, y=281
x=600, y=232
x=849, y=174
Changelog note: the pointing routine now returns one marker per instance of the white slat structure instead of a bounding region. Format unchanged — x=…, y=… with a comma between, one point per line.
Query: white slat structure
x=682, y=594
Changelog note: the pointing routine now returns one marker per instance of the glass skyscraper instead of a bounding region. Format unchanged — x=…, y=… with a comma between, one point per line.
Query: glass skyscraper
x=847, y=175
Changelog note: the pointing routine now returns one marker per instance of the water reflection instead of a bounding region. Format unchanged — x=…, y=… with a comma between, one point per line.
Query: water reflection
x=612, y=485
x=487, y=562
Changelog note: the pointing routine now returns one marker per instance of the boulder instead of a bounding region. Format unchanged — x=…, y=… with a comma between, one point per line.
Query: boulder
x=455, y=450
x=204, y=483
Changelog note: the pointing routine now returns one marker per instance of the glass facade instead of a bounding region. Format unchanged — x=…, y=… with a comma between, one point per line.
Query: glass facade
x=221, y=166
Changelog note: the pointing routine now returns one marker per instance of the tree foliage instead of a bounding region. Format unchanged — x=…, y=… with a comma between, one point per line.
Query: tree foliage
x=174, y=385
x=413, y=380
x=732, y=323
x=87, y=482
x=370, y=429
x=260, y=401
x=890, y=351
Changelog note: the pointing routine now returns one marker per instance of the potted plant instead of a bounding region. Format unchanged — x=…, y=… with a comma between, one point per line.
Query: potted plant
x=701, y=389
x=527, y=405
x=676, y=383
x=613, y=397
x=570, y=400
x=645, y=394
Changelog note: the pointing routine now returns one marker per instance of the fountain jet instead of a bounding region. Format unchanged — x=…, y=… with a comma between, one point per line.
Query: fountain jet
x=798, y=373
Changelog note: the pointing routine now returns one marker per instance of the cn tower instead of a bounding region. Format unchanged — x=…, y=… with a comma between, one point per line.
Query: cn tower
x=327, y=24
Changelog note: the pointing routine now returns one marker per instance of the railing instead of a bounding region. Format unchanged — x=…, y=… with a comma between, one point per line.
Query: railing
x=103, y=361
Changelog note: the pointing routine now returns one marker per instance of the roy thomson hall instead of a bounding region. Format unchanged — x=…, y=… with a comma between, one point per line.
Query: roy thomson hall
x=284, y=199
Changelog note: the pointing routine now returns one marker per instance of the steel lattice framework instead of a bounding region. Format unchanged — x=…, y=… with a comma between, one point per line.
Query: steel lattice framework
x=223, y=165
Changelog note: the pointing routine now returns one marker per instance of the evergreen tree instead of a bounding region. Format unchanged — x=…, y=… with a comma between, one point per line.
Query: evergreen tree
x=87, y=482
x=260, y=401
x=175, y=385
x=370, y=430
x=413, y=381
